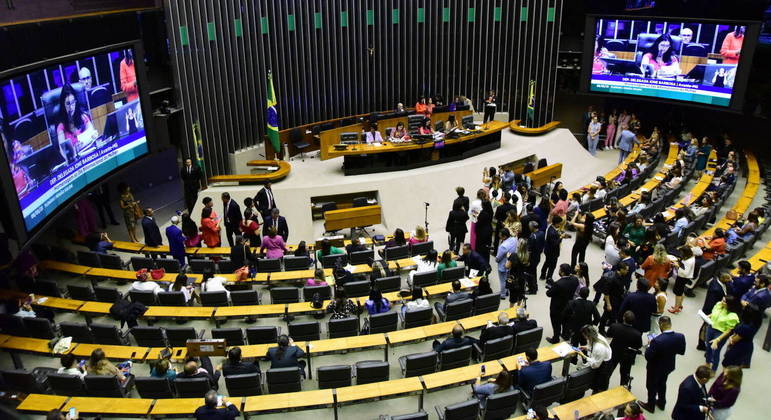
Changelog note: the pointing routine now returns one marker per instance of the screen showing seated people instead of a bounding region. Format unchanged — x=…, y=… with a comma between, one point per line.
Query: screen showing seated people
x=684, y=61
x=66, y=125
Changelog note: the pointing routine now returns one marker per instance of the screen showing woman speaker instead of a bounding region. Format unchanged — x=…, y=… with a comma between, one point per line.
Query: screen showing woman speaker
x=687, y=61
x=66, y=125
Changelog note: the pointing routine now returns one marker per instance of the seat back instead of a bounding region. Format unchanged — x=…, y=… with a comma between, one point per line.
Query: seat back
x=138, y=263
x=178, y=336
x=421, y=248
x=577, y=384
x=305, y=331
x=262, y=334
x=324, y=291
x=346, y=327
x=334, y=376
x=466, y=410
x=153, y=388
x=191, y=387
x=528, y=339
x=232, y=336
x=170, y=265
x=459, y=309
x=452, y=274
x=389, y=284
x=548, y=392
x=201, y=266
x=214, y=298
x=244, y=297
x=357, y=288
x=80, y=292
x=330, y=261
x=104, y=386
x=89, y=258
x=420, y=415
x=385, y=322
x=284, y=295
x=282, y=380
x=63, y=384
x=172, y=298
x=497, y=348
x=149, y=336
x=486, y=303
x=501, y=405
x=47, y=288
x=362, y=257
x=397, y=252
x=451, y=359
x=144, y=297
x=22, y=381
x=244, y=385
x=369, y=371
x=226, y=266
x=426, y=278
x=111, y=261
x=13, y=325
x=106, y=294
x=268, y=265
x=39, y=328
x=106, y=334
x=77, y=330
x=292, y=263
x=420, y=364
x=418, y=317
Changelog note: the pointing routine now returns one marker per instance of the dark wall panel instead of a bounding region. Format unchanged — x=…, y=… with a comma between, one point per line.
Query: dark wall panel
x=332, y=58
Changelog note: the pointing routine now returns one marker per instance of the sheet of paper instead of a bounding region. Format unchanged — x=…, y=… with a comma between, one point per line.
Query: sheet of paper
x=467, y=283
x=705, y=317
x=563, y=349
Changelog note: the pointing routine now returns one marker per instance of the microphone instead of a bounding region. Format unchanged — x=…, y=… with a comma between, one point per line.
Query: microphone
x=427, y=204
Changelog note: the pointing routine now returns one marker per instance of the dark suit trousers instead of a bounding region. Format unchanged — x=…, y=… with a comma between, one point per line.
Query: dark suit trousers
x=214, y=375
x=456, y=240
x=556, y=323
x=656, y=384
x=549, y=265
x=191, y=195
x=625, y=369
x=230, y=231
x=532, y=286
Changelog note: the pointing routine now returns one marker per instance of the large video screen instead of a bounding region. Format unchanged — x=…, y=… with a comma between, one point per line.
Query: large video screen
x=686, y=61
x=66, y=125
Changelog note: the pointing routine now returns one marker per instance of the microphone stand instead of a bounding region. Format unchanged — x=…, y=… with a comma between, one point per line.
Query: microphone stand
x=425, y=217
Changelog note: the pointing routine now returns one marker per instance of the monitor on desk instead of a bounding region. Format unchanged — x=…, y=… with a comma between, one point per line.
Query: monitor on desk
x=468, y=122
x=349, y=138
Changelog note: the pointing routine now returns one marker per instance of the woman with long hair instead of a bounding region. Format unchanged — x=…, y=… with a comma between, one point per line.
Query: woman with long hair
x=445, y=262
x=740, y=345
x=512, y=223
x=518, y=265
x=210, y=228
x=473, y=213
x=657, y=266
x=420, y=235
x=685, y=273
x=180, y=285
x=377, y=304
x=610, y=131
x=73, y=121
x=612, y=256
x=724, y=317
x=582, y=273
x=484, y=230
x=417, y=301
x=583, y=223
x=597, y=355
x=128, y=205
x=190, y=230
x=341, y=307
x=251, y=228
x=502, y=383
x=98, y=364
x=661, y=59
x=725, y=390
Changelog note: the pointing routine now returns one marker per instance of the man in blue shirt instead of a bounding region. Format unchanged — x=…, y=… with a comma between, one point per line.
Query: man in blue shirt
x=760, y=295
x=534, y=373
x=680, y=221
x=742, y=283
x=507, y=247
x=626, y=143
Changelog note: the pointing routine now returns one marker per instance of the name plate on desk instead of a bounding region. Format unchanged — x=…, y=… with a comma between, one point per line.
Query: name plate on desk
x=210, y=347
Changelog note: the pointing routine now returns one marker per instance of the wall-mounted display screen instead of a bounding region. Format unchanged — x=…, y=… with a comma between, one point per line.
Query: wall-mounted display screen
x=686, y=61
x=66, y=125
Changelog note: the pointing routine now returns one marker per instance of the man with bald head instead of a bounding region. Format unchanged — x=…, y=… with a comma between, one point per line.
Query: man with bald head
x=456, y=341
x=211, y=410
x=686, y=36
x=84, y=77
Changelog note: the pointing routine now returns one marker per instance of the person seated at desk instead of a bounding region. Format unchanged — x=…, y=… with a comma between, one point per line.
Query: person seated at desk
x=377, y=304
x=456, y=341
x=193, y=370
x=99, y=365
x=212, y=283
x=661, y=61
x=421, y=107
x=425, y=128
x=416, y=302
x=400, y=133
x=286, y=354
x=241, y=254
x=209, y=410
x=400, y=107
x=273, y=244
x=455, y=296
x=452, y=123
x=235, y=366
x=502, y=383
x=534, y=372
x=419, y=236
x=163, y=369
x=327, y=249
x=70, y=366
x=373, y=136
x=356, y=245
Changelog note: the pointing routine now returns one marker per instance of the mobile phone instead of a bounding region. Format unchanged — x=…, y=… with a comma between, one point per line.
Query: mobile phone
x=73, y=413
x=219, y=400
x=483, y=369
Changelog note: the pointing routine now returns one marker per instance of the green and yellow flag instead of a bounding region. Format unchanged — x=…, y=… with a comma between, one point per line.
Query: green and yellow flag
x=531, y=104
x=272, y=116
x=198, y=140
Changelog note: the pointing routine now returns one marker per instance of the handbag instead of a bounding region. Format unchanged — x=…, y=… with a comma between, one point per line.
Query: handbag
x=732, y=215
x=157, y=273
x=242, y=273
x=137, y=211
x=142, y=274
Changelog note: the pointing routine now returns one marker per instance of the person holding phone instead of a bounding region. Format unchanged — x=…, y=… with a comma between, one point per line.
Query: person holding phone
x=501, y=383
x=216, y=407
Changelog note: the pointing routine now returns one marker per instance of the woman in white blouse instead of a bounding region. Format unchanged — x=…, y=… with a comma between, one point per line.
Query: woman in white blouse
x=473, y=213
x=612, y=256
x=213, y=284
x=597, y=355
x=684, y=276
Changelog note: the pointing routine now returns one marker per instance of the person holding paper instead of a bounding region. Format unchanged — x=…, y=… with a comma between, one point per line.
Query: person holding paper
x=722, y=320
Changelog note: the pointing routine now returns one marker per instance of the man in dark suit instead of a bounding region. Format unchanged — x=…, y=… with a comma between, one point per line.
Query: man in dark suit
x=743, y=282
x=492, y=331
x=454, y=296
x=560, y=293
x=235, y=366
x=501, y=212
x=660, y=355
x=192, y=370
x=626, y=340
x=692, y=395
x=535, y=244
x=456, y=341
x=551, y=249
x=528, y=217
x=534, y=373
x=462, y=199
x=191, y=176
x=717, y=289
x=151, y=230
x=278, y=222
x=642, y=303
x=523, y=322
x=456, y=226
x=233, y=217
x=209, y=410
x=101, y=198
x=610, y=288
x=579, y=313
x=474, y=261
x=264, y=200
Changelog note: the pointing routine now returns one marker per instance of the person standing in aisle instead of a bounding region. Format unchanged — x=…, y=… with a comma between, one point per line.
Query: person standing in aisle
x=191, y=176
x=660, y=354
x=264, y=200
x=490, y=107
x=507, y=247
x=233, y=217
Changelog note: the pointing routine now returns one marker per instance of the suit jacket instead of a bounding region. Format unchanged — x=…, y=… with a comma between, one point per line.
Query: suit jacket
x=534, y=374
x=240, y=368
x=552, y=241
x=199, y=375
x=455, y=297
x=191, y=181
x=643, y=305
x=524, y=325
x=456, y=222
x=261, y=202
x=453, y=343
x=282, y=230
x=228, y=413
x=240, y=256
x=176, y=241
x=496, y=331
x=690, y=396
x=232, y=215
x=716, y=291
x=289, y=359
x=151, y=231
x=561, y=293
x=662, y=350
x=535, y=243
x=474, y=261
x=502, y=211
x=623, y=337
x=580, y=312
x=464, y=202
x=525, y=220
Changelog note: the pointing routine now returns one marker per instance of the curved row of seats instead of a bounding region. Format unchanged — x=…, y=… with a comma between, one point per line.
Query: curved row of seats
x=615, y=171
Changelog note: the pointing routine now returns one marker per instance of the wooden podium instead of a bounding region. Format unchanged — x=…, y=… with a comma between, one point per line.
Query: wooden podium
x=206, y=347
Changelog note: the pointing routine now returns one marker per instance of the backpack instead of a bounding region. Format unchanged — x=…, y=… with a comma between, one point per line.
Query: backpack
x=316, y=301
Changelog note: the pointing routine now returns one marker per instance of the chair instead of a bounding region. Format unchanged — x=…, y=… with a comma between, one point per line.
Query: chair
x=695, y=50
x=144, y=297
x=245, y=297
x=62, y=254
x=79, y=292
x=421, y=248
x=527, y=339
x=496, y=348
x=232, y=336
x=362, y=257
x=77, y=330
x=23, y=381
x=292, y=263
x=426, y=278
x=169, y=265
x=191, y=387
x=455, y=358
x=501, y=406
x=385, y=322
x=108, y=334
x=215, y=298
x=452, y=274
x=486, y=303
x=334, y=376
x=357, y=288
x=284, y=295
x=360, y=202
x=178, y=336
x=577, y=384
x=369, y=371
x=112, y=262
x=138, y=263
x=281, y=380
x=13, y=325
x=149, y=336
x=456, y=310
x=305, y=331
x=172, y=298
x=389, y=284
x=262, y=334
x=107, y=294
x=106, y=386
x=324, y=291
x=331, y=260
x=397, y=252
x=418, y=364
x=346, y=327
x=268, y=265
x=201, y=266
x=467, y=410
x=244, y=385
x=63, y=384
x=298, y=142
x=47, y=288
x=153, y=388
x=40, y=328
x=417, y=318
x=226, y=266
x=545, y=393
x=420, y=415
x=89, y=258
x=706, y=271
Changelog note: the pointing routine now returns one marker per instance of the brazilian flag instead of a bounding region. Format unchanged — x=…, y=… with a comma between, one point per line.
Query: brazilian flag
x=531, y=104
x=198, y=140
x=272, y=116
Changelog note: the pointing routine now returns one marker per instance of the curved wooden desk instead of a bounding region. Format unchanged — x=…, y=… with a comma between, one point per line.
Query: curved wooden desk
x=283, y=170
x=533, y=131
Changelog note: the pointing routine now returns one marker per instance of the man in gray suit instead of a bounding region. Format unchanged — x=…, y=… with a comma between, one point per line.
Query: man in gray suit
x=455, y=296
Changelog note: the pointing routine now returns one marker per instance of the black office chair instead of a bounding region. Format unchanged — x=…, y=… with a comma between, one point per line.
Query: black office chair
x=420, y=415
x=298, y=142
x=305, y=331
x=332, y=260
x=107, y=294
x=47, y=288
x=69, y=385
x=214, y=298
x=178, y=336
x=362, y=257
x=79, y=292
x=281, y=380
x=89, y=258
x=112, y=262
x=325, y=292
x=369, y=371
x=385, y=322
x=108, y=386
x=527, y=339
x=389, y=284
x=144, y=297
x=577, y=384
x=495, y=349
x=418, y=364
x=232, y=336
x=268, y=265
x=502, y=405
x=191, y=387
x=26, y=382
x=169, y=265
x=426, y=278
x=153, y=388
x=397, y=252
x=292, y=263
x=360, y=202
x=455, y=358
x=201, y=266
x=78, y=331
x=456, y=310
x=417, y=318
x=149, y=336
x=40, y=328
x=357, y=288
x=108, y=334
x=467, y=410
x=284, y=295
x=262, y=334
x=138, y=263
x=486, y=304
x=346, y=327
x=421, y=248
x=172, y=298
x=545, y=394
x=244, y=385
x=452, y=274
x=245, y=297
x=334, y=376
